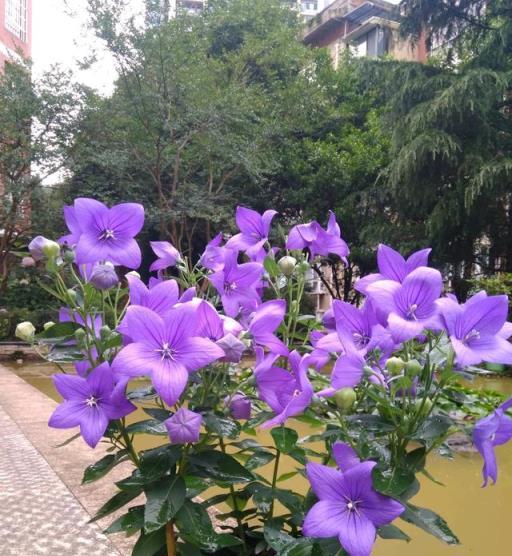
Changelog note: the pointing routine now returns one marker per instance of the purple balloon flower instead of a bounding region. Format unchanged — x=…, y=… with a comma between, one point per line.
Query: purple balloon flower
x=184, y=426
x=359, y=329
x=349, y=507
x=214, y=255
x=161, y=296
x=288, y=393
x=254, y=230
x=265, y=320
x=237, y=284
x=478, y=328
x=317, y=240
x=103, y=276
x=167, y=349
x=167, y=255
x=392, y=266
x=493, y=430
x=410, y=306
x=73, y=225
x=347, y=373
x=107, y=234
x=36, y=247
x=90, y=403
x=240, y=406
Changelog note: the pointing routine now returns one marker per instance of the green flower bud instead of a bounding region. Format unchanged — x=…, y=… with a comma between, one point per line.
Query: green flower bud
x=105, y=332
x=25, y=331
x=395, y=365
x=367, y=370
x=287, y=265
x=303, y=267
x=68, y=256
x=48, y=324
x=71, y=294
x=427, y=406
x=413, y=367
x=80, y=335
x=345, y=398
x=51, y=249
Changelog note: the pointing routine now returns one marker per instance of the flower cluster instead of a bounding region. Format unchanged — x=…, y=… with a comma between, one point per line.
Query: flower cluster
x=190, y=328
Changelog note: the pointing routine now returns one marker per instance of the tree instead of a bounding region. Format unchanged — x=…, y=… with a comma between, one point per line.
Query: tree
x=198, y=114
x=37, y=119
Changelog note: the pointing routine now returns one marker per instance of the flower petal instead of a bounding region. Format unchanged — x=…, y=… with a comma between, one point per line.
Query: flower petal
x=126, y=219
x=391, y=264
x=323, y=519
x=169, y=379
x=357, y=534
x=93, y=426
x=326, y=482
x=72, y=387
x=344, y=456
x=195, y=353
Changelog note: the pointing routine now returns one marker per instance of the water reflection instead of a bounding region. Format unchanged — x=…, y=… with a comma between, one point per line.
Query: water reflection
x=480, y=517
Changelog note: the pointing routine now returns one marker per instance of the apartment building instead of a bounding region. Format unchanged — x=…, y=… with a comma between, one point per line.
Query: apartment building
x=367, y=27
x=15, y=30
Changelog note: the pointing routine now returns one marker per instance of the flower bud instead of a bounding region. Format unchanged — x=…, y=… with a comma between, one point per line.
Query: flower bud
x=51, y=249
x=287, y=265
x=345, y=398
x=80, y=335
x=367, y=370
x=25, y=331
x=71, y=294
x=133, y=273
x=395, y=365
x=48, y=325
x=68, y=256
x=27, y=262
x=413, y=367
x=36, y=247
x=105, y=332
x=240, y=406
x=427, y=406
x=103, y=276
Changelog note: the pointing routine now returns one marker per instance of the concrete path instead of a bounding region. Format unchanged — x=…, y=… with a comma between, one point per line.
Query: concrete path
x=43, y=507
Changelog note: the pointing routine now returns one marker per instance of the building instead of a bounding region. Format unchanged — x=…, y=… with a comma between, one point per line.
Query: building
x=15, y=30
x=368, y=27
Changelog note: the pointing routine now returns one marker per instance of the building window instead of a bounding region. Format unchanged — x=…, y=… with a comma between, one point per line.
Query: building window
x=16, y=18
x=374, y=43
x=309, y=5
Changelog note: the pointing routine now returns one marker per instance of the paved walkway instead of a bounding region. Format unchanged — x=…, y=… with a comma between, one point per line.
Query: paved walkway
x=43, y=507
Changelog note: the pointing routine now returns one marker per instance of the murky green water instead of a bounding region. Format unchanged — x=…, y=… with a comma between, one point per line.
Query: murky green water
x=480, y=517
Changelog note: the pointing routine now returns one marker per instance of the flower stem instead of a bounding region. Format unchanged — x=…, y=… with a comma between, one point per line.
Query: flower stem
x=274, y=482
x=170, y=539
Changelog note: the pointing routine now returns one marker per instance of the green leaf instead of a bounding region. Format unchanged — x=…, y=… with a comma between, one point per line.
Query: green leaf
x=130, y=522
x=286, y=476
x=149, y=544
x=394, y=481
x=289, y=499
x=433, y=430
x=271, y=267
x=430, y=522
x=371, y=423
x=220, y=467
x=285, y=439
x=258, y=459
x=159, y=461
x=262, y=497
x=224, y=427
x=150, y=426
x=117, y=501
x=275, y=537
x=142, y=394
x=415, y=459
x=59, y=332
x=103, y=466
x=392, y=532
x=163, y=499
x=195, y=526
x=157, y=413
x=69, y=440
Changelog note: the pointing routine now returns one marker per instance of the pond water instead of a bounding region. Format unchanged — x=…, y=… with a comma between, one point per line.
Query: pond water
x=480, y=517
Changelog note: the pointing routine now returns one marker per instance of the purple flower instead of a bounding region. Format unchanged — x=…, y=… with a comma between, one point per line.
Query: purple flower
x=161, y=296
x=240, y=406
x=288, y=393
x=265, y=320
x=349, y=507
x=90, y=403
x=410, y=306
x=347, y=373
x=392, y=266
x=478, y=328
x=184, y=426
x=167, y=255
x=232, y=347
x=236, y=284
x=107, y=234
x=359, y=329
x=254, y=229
x=167, y=349
x=317, y=240
x=214, y=255
x=27, y=262
x=103, y=276
x=493, y=430
x=73, y=225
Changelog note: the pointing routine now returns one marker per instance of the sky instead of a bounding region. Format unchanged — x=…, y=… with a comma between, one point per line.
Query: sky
x=59, y=36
